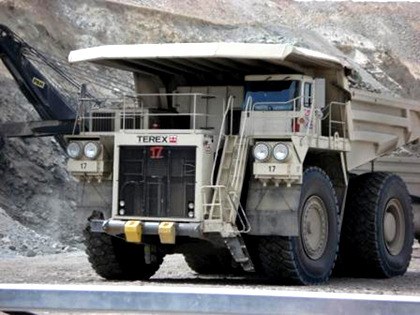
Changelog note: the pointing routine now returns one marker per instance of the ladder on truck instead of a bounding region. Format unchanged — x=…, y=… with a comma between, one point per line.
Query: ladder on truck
x=222, y=206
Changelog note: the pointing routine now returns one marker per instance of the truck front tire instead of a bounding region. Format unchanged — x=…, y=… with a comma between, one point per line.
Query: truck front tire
x=310, y=257
x=114, y=259
x=377, y=233
x=206, y=259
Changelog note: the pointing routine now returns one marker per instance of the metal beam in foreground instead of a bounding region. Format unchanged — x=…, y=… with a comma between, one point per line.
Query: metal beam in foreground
x=215, y=300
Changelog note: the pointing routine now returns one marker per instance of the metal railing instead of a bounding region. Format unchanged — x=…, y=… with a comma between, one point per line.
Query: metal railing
x=218, y=195
x=297, y=111
x=222, y=134
x=130, y=109
x=331, y=122
x=225, y=196
x=316, y=115
x=241, y=145
x=241, y=215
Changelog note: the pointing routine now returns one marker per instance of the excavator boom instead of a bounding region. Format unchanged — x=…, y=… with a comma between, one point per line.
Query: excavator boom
x=49, y=103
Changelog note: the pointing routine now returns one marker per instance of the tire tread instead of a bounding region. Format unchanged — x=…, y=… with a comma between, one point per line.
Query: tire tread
x=360, y=248
x=115, y=259
x=277, y=254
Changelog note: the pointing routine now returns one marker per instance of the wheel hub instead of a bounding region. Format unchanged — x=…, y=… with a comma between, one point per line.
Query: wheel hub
x=390, y=227
x=394, y=227
x=314, y=227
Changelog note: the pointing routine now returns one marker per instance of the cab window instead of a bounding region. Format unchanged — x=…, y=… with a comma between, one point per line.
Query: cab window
x=272, y=95
x=307, y=94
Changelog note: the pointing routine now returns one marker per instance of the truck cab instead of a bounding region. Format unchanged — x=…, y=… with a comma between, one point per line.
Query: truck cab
x=272, y=95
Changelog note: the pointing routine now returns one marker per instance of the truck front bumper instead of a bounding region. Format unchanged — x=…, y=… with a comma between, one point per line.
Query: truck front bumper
x=134, y=230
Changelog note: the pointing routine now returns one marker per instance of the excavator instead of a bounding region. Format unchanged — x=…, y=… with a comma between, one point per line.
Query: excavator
x=57, y=112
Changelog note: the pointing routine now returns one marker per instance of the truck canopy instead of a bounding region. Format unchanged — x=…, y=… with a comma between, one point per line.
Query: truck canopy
x=164, y=59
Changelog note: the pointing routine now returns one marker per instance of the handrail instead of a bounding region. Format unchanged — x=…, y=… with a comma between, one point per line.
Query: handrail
x=79, y=117
x=194, y=110
x=131, y=107
x=124, y=111
x=222, y=128
x=244, y=221
x=311, y=120
x=216, y=190
x=134, y=96
x=139, y=114
x=330, y=121
x=294, y=100
x=241, y=145
x=221, y=190
x=296, y=113
x=311, y=117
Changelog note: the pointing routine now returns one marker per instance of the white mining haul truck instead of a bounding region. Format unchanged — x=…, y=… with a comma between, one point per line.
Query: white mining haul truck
x=240, y=156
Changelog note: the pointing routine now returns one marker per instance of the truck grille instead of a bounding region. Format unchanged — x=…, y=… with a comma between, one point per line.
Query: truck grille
x=157, y=181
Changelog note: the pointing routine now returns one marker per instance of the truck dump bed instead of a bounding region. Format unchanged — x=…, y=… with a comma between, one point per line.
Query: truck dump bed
x=374, y=123
x=378, y=125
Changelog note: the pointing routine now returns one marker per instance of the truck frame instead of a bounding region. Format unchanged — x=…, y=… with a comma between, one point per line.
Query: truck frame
x=242, y=157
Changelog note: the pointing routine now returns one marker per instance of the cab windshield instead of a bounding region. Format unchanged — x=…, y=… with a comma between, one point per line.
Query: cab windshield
x=271, y=95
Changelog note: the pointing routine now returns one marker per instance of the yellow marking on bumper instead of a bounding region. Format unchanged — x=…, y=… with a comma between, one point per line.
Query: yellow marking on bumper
x=133, y=231
x=167, y=232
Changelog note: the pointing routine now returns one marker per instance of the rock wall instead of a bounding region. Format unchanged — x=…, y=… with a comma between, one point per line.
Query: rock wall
x=382, y=42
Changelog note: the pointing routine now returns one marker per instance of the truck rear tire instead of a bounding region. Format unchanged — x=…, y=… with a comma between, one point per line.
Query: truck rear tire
x=310, y=257
x=377, y=233
x=114, y=259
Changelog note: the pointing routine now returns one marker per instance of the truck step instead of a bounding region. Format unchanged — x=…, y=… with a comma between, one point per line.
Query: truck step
x=239, y=252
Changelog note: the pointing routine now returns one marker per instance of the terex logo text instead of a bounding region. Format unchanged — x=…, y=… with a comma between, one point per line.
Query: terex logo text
x=158, y=139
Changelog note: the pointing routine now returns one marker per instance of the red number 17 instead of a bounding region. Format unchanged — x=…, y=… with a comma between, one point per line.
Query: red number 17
x=156, y=152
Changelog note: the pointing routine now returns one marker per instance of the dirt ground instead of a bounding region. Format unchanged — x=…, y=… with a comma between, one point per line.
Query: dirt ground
x=73, y=268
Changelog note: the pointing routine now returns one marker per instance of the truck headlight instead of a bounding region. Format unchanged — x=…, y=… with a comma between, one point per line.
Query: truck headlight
x=74, y=150
x=281, y=152
x=92, y=150
x=261, y=151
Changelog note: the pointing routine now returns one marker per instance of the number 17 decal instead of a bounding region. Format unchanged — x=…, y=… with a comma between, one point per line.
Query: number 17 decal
x=156, y=152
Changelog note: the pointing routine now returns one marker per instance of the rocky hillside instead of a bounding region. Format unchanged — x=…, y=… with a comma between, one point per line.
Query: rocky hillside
x=381, y=40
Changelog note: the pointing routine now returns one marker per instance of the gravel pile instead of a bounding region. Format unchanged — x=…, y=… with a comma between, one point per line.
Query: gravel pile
x=410, y=150
x=18, y=240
